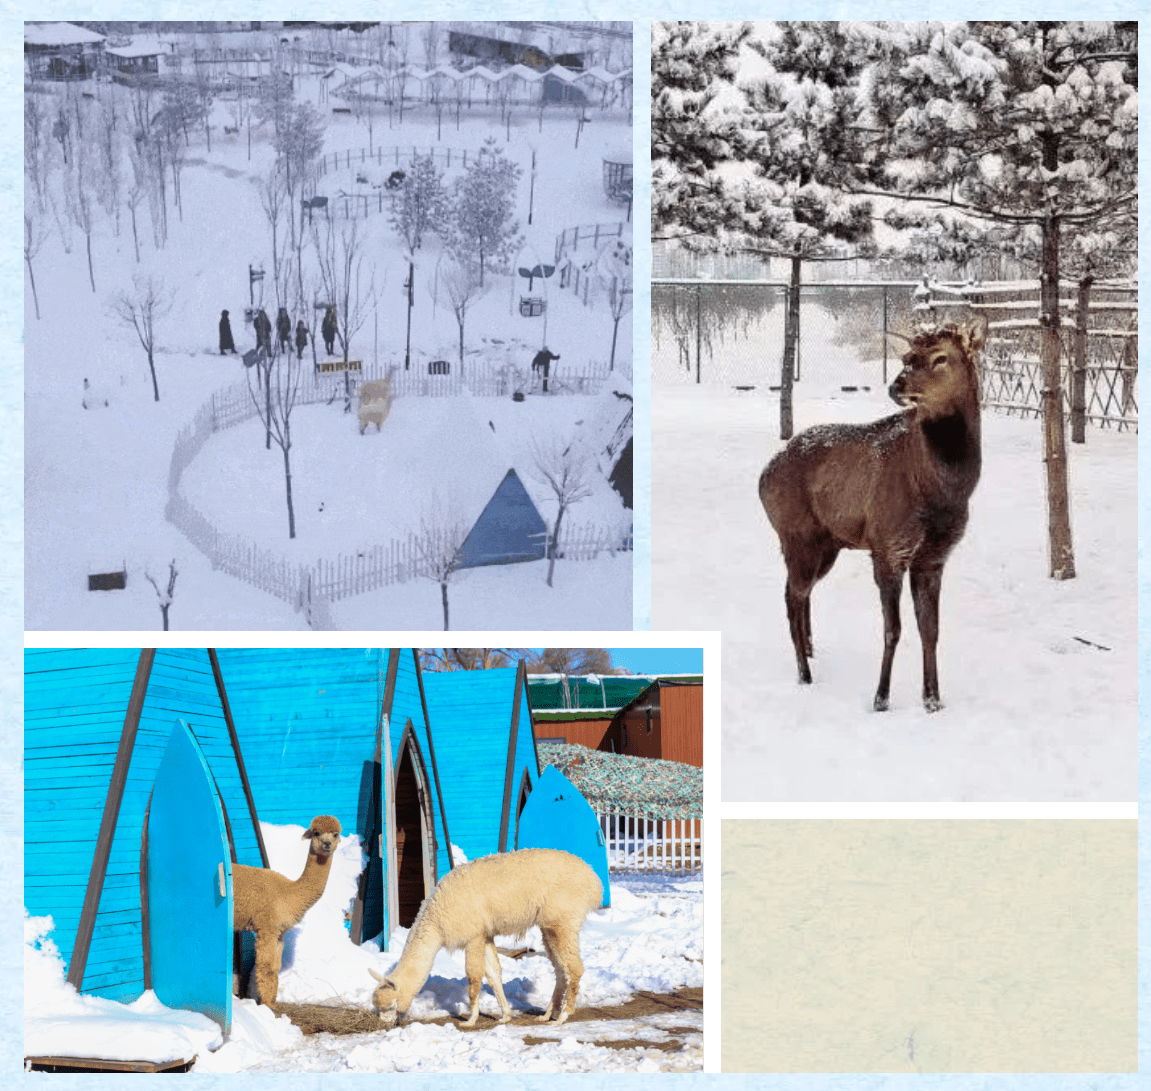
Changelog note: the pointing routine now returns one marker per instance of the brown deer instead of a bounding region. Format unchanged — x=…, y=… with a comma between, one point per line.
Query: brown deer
x=897, y=487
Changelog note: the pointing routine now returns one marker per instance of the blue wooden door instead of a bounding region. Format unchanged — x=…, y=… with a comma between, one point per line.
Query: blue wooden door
x=189, y=885
x=556, y=816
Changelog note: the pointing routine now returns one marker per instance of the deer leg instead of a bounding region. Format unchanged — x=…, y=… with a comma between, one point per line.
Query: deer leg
x=799, y=622
x=925, y=594
x=890, y=582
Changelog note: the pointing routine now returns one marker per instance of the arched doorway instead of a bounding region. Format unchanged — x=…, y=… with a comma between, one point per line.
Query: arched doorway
x=415, y=831
x=525, y=791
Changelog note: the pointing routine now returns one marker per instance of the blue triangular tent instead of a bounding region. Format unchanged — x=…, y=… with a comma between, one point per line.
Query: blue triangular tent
x=509, y=529
x=556, y=816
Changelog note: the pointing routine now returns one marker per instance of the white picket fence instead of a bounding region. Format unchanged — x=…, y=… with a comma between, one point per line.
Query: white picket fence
x=311, y=588
x=636, y=842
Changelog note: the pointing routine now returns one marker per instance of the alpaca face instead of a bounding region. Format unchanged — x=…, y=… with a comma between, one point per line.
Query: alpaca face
x=325, y=834
x=386, y=1000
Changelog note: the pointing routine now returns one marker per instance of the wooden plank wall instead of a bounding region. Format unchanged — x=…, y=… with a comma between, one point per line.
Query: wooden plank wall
x=589, y=733
x=681, y=723
x=470, y=714
x=75, y=700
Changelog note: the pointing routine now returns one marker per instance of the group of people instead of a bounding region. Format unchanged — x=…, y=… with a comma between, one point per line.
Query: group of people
x=263, y=327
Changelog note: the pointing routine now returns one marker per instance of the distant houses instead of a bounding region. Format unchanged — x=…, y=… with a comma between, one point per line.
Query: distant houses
x=62, y=51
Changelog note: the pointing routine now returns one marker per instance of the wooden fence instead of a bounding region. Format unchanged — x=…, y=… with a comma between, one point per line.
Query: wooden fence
x=571, y=237
x=636, y=842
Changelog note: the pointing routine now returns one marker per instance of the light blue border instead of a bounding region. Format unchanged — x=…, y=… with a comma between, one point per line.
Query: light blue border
x=11, y=467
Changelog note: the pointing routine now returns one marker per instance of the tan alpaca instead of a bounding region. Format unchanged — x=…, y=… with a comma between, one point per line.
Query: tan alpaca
x=268, y=903
x=501, y=895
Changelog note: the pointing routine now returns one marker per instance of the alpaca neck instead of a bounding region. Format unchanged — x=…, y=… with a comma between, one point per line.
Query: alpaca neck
x=314, y=877
x=415, y=965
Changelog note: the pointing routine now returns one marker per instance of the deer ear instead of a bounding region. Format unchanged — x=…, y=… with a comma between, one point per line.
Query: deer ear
x=975, y=334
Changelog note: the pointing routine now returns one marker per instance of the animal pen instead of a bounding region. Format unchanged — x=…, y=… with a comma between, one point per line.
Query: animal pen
x=730, y=333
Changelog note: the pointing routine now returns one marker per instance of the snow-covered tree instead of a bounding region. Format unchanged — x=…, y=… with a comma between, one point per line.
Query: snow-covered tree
x=420, y=204
x=568, y=468
x=37, y=148
x=1017, y=123
x=142, y=308
x=348, y=283
x=483, y=229
x=619, y=304
x=298, y=145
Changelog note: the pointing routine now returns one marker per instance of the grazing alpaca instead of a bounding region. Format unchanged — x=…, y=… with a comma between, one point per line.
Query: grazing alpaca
x=501, y=895
x=268, y=903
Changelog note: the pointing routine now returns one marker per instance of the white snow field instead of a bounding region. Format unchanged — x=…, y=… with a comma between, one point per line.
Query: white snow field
x=1038, y=677
x=97, y=479
x=651, y=939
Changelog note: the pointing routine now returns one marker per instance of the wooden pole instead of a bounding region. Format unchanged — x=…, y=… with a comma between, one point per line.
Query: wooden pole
x=80, y=948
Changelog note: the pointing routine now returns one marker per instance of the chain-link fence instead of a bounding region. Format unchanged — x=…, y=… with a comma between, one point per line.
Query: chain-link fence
x=729, y=333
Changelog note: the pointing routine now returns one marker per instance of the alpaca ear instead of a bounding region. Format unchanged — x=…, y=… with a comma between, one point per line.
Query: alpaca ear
x=379, y=977
x=307, y=835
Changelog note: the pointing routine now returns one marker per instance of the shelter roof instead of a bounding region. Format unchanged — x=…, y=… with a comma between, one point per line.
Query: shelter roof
x=623, y=783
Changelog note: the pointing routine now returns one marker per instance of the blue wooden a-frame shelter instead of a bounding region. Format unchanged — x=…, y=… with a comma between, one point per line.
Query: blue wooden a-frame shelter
x=509, y=529
x=487, y=751
x=294, y=732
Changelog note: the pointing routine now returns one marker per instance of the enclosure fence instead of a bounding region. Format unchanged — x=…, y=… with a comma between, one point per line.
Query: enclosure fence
x=396, y=157
x=638, y=842
x=730, y=333
x=571, y=237
x=311, y=588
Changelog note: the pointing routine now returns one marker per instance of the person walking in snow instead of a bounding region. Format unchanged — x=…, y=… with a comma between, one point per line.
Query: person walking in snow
x=328, y=329
x=542, y=363
x=226, y=342
x=301, y=339
x=263, y=327
x=284, y=330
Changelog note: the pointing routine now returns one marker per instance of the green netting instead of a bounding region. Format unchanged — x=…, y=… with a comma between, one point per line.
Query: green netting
x=549, y=692
x=622, y=783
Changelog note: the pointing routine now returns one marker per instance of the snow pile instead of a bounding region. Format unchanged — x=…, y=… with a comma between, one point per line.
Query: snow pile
x=663, y=789
x=59, y=1022
x=651, y=939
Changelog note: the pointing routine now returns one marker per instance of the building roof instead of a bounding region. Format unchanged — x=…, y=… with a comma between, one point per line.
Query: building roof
x=592, y=696
x=59, y=34
x=625, y=784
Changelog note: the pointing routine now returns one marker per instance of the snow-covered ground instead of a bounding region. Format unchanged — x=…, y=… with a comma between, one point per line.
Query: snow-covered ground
x=650, y=939
x=1038, y=677
x=97, y=479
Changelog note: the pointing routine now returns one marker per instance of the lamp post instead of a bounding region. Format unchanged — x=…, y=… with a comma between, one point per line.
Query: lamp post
x=410, y=282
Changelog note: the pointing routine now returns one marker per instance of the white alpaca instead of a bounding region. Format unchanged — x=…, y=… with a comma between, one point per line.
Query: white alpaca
x=501, y=895
x=268, y=903
x=375, y=403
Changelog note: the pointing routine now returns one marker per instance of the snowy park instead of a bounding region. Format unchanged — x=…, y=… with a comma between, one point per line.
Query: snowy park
x=866, y=228
x=649, y=942
x=438, y=239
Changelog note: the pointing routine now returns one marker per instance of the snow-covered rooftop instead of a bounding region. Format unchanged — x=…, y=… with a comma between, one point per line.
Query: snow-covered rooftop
x=59, y=34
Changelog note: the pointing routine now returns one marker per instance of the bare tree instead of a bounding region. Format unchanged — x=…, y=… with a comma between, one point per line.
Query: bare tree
x=141, y=309
x=470, y=659
x=439, y=545
x=461, y=282
x=571, y=661
x=165, y=596
x=34, y=234
x=79, y=199
x=567, y=467
x=340, y=259
x=281, y=391
x=619, y=304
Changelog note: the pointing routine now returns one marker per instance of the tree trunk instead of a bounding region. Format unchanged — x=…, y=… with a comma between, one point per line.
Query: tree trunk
x=1062, y=557
x=790, y=344
x=288, y=489
x=91, y=277
x=164, y=614
x=152, y=368
x=35, y=298
x=444, y=597
x=554, y=545
x=135, y=236
x=1079, y=366
x=614, y=335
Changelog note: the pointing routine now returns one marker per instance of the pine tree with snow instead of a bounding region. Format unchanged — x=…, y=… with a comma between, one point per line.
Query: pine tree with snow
x=1017, y=123
x=420, y=204
x=483, y=229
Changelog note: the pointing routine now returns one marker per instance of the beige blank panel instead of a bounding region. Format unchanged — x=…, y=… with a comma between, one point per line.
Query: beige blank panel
x=929, y=946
